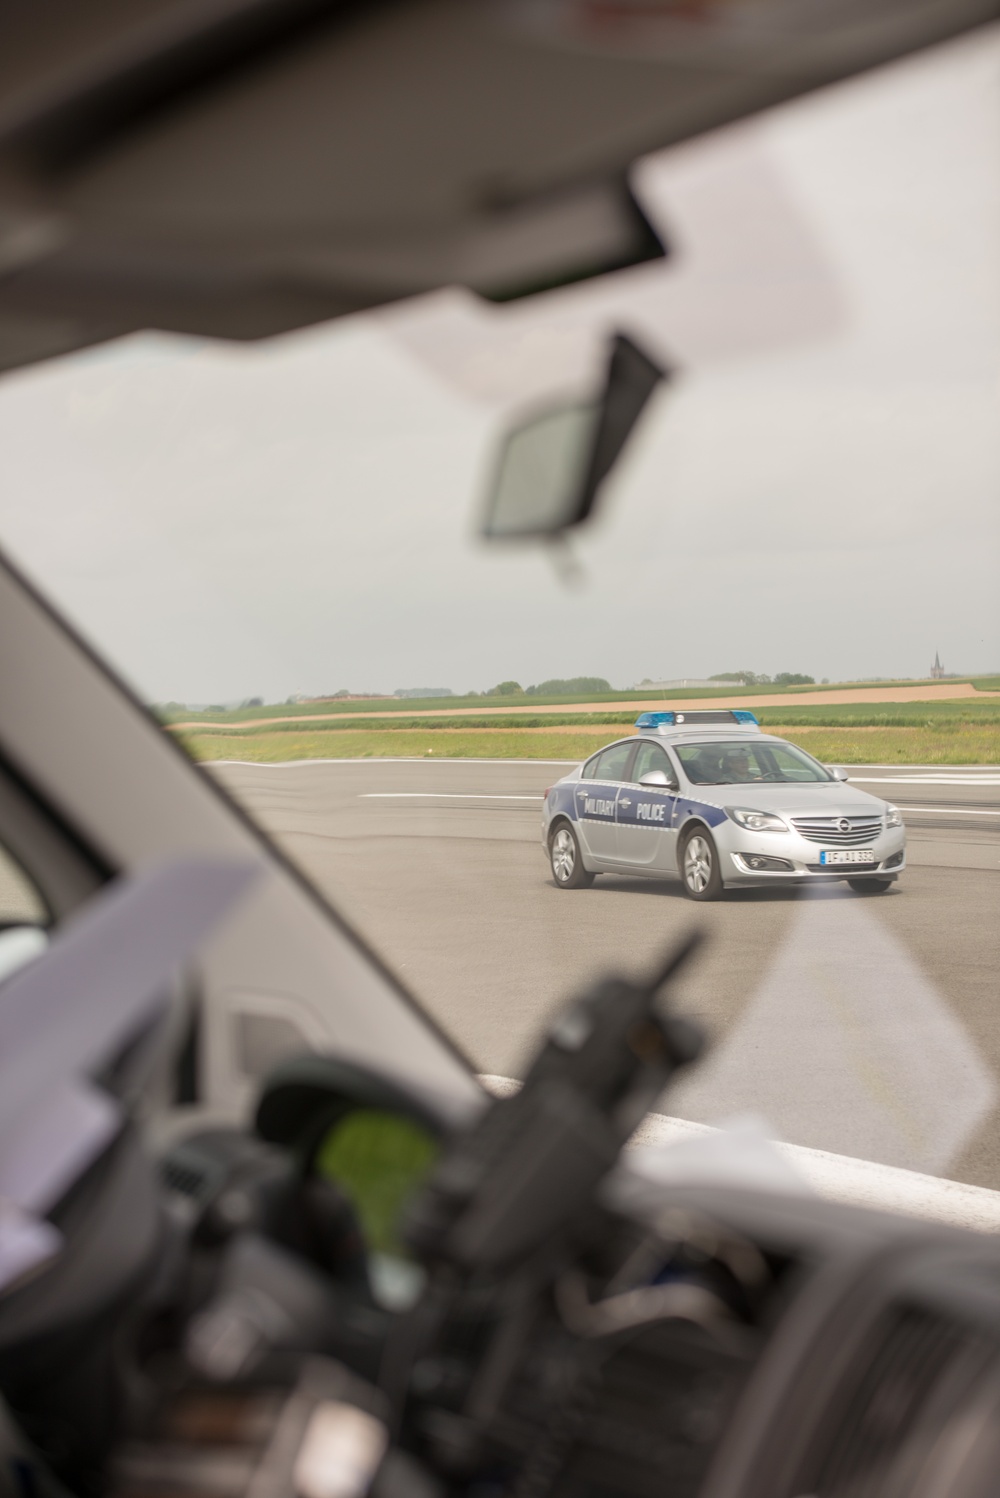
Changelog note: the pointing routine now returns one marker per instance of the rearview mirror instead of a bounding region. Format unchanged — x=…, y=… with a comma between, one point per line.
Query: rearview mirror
x=837, y=772
x=552, y=466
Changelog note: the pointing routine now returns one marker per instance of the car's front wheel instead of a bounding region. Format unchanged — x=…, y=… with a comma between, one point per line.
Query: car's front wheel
x=700, y=872
x=870, y=886
x=566, y=859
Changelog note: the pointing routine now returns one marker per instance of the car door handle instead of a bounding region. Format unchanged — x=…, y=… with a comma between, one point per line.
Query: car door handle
x=624, y=801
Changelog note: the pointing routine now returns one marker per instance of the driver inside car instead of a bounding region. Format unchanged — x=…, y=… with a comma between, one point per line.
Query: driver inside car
x=737, y=766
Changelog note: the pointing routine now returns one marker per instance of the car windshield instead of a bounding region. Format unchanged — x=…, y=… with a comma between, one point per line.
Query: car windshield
x=731, y=763
x=277, y=545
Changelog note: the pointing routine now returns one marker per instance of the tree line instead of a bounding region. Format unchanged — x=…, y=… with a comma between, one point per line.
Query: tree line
x=558, y=686
x=758, y=679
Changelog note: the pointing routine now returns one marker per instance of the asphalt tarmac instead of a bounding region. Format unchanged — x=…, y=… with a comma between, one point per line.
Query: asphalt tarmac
x=867, y=1026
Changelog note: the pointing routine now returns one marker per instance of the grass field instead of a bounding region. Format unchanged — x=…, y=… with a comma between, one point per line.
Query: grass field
x=965, y=712
x=919, y=743
x=523, y=704
x=952, y=732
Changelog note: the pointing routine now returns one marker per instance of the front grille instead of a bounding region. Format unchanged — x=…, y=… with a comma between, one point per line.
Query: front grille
x=828, y=830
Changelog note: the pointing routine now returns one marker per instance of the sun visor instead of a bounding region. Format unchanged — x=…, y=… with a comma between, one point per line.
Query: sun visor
x=240, y=168
x=747, y=275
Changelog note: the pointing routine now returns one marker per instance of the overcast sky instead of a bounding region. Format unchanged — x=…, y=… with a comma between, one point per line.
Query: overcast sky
x=298, y=516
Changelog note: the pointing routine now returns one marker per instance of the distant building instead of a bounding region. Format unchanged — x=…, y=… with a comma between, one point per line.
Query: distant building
x=424, y=692
x=670, y=686
x=937, y=670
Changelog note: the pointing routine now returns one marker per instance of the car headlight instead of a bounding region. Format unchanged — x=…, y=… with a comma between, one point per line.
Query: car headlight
x=756, y=821
x=893, y=816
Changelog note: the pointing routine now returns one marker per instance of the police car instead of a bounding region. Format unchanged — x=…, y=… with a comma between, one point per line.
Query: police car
x=709, y=797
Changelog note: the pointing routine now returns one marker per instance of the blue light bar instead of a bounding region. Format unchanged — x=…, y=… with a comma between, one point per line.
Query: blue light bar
x=696, y=718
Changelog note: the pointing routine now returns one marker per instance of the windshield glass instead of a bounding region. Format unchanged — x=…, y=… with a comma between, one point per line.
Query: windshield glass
x=736, y=764
x=276, y=545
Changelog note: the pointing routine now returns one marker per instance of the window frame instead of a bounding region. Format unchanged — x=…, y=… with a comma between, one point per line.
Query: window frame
x=624, y=779
x=674, y=782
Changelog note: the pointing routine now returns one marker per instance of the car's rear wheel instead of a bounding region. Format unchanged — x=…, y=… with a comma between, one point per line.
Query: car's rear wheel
x=870, y=886
x=566, y=859
x=700, y=872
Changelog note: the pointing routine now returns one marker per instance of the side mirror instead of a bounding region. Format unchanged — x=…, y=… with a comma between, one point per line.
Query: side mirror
x=837, y=772
x=658, y=779
x=551, y=467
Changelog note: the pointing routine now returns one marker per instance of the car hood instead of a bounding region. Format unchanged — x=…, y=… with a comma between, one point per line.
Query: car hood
x=835, y=799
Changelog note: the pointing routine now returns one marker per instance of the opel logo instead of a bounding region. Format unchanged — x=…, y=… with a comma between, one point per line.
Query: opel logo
x=844, y=825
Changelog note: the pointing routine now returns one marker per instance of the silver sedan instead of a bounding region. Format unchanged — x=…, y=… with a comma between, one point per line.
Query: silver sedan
x=721, y=808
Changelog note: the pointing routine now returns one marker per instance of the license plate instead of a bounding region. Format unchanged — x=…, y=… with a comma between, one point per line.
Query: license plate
x=848, y=855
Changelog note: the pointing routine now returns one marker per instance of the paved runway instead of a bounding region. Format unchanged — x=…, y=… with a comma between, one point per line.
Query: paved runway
x=439, y=864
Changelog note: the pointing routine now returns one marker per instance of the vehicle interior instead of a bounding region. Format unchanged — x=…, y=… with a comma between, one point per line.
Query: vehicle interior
x=347, y=336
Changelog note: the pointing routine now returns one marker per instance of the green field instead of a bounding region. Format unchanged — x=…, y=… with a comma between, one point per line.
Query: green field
x=519, y=704
x=959, y=712
x=954, y=732
x=925, y=741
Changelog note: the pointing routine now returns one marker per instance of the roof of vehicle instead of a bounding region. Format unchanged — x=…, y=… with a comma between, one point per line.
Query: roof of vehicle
x=707, y=736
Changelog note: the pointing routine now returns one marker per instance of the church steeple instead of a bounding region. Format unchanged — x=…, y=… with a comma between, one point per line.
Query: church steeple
x=937, y=670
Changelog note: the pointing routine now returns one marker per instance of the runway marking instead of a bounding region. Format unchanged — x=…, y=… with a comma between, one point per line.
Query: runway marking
x=914, y=808
x=948, y=811
x=382, y=759
x=924, y=779
x=441, y=796
x=504, y=796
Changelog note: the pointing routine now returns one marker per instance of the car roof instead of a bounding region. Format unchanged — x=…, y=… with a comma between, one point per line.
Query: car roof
x=679, y=736
x=705, y=735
